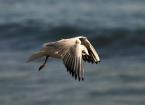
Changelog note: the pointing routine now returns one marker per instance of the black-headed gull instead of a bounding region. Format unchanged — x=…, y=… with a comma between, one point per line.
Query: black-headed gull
x=72, y=51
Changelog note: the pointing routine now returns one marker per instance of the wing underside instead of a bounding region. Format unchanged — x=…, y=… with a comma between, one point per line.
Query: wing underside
x=73, y=62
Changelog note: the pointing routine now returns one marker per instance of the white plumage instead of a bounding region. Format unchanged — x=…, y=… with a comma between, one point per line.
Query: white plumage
x=72, y=51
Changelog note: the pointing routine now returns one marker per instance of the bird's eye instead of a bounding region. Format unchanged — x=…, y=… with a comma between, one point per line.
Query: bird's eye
x=81, y=39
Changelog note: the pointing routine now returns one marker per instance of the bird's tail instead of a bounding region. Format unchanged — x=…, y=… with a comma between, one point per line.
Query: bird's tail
x=36, y=55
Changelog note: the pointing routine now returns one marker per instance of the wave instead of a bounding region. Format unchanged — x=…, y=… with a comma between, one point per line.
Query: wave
x=26, y=35
x=120, y=36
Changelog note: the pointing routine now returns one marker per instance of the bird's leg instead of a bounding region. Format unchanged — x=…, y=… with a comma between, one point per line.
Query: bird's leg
x=43, y=65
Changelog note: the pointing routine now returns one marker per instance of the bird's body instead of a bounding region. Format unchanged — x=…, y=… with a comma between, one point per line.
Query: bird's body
x=72, y=51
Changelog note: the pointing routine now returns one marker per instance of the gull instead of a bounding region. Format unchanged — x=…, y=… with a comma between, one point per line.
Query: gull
x=72, y=52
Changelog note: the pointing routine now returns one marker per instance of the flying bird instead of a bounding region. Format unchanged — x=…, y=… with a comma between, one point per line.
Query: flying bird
x=72, y=52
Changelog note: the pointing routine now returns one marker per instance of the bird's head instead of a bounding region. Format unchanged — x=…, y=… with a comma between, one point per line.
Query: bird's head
x=82, y=38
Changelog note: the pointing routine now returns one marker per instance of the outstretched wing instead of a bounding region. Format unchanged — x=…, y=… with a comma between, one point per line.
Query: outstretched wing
x=60, y=46
x=71, y=55
x=73, y=62
x=93, y=55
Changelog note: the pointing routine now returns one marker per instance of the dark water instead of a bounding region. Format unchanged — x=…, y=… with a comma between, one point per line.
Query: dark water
x=115, y=27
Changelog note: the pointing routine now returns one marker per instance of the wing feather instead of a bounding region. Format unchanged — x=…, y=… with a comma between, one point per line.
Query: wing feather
x=62, y=45
x=74, y=65
x=93, y=55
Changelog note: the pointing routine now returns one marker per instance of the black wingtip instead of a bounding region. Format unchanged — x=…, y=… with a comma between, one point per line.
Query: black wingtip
x=82, y=79
x=79, y=78
x=97, y=62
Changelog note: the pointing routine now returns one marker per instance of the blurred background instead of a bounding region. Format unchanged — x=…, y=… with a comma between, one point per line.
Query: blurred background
x=115, y=27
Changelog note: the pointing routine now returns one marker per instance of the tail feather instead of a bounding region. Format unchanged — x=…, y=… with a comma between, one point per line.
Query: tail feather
x=36, y=56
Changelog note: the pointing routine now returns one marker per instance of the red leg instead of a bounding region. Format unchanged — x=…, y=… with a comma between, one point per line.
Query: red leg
x=43, y=65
